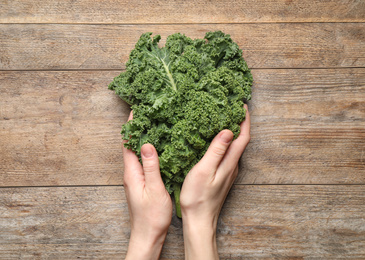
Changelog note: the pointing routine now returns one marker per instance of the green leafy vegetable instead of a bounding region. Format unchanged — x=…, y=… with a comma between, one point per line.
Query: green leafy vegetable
x=182, y=95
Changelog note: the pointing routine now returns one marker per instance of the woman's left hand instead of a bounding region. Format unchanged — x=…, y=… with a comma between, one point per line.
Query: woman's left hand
x=149, y=203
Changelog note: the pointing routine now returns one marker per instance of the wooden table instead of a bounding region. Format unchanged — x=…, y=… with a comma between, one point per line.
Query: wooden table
x=300, y=193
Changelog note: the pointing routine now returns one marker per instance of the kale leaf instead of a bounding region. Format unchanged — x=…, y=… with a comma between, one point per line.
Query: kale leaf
x=182, y=95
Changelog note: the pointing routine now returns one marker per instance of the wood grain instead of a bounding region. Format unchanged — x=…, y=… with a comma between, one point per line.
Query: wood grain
x=60, y=154
x=63, y=46
x=201, y=11
x=62, y=128
x=308, y=126
x=296, y=222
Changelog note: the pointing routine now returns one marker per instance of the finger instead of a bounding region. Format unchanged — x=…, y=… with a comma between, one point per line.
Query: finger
x=237, y=147
x=131, y=162
x=151, y=167
x=246, y=125
x=130, y=158
x=216, y=151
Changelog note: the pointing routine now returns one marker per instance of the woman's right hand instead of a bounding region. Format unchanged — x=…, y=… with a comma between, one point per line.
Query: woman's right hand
x=205, y=189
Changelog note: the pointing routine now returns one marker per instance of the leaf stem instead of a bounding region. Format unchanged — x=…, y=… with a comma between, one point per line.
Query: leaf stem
x=173, y=85
x=177, y=190
x=166, y=67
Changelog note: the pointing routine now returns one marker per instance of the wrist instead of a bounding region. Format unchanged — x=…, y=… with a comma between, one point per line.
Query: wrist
x=199, y=219
x=200, y=239
x=145, y=247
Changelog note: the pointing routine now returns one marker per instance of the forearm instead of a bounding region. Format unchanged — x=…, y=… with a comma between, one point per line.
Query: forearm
x=200, y=242
x=145, y=248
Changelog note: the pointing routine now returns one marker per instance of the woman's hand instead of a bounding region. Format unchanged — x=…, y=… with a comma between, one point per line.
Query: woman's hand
x=149, y=203
x=205, y=188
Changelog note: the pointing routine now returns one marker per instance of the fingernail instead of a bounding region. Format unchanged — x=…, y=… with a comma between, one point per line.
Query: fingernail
x=226, y=136
x=147, y=151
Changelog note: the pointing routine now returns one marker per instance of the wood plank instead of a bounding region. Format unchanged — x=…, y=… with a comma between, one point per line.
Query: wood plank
x=201, y=11
x=256, y=222
x=308, y=126
x=60, y=46
x=62, y=128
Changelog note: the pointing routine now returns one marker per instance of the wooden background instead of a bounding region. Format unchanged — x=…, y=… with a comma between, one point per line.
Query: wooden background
x=300, y=193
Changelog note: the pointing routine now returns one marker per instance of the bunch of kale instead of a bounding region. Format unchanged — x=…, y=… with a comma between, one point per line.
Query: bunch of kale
x=182, y=95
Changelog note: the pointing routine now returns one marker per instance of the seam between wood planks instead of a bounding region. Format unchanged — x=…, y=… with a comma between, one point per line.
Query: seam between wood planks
x=121, y=185
x=123, y=69
x=73, y=23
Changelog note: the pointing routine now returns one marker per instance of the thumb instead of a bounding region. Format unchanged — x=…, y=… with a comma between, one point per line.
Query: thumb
x=151, y=166
x=217, y=150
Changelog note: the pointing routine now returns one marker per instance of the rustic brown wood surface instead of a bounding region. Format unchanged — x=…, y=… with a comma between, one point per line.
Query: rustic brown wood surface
x=300, y=192
x=311, y=131
x=258, y=221
x=187, y=11
x=283, y=45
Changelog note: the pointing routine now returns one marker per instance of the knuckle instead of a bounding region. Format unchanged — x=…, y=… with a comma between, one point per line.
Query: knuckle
x=203, y=174
x=149, y=167
x=219, y=150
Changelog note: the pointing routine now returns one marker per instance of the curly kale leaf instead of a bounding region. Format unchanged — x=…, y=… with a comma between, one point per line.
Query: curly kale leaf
x=182, y=95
